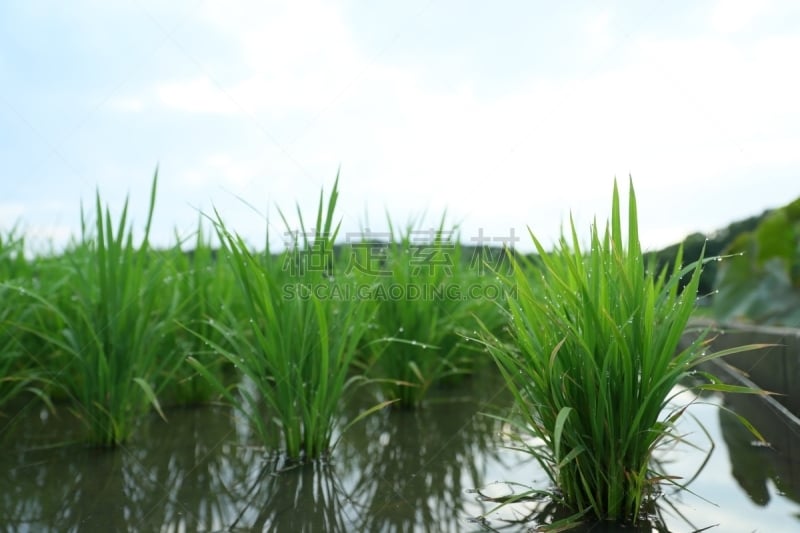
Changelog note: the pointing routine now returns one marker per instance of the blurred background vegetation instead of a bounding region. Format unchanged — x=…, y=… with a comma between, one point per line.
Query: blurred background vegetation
x=759, y=280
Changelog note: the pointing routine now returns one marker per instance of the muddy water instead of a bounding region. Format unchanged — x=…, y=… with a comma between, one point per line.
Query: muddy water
x=396, y=471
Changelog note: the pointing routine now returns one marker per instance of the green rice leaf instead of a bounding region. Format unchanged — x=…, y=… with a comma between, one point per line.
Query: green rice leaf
x=151, y=396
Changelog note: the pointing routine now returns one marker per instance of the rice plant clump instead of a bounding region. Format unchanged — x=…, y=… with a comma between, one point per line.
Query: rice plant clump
x=205, y=285
x=295, y=352
x=15, y=370
x=593, y=361
x=104, y=326
x=416, y=339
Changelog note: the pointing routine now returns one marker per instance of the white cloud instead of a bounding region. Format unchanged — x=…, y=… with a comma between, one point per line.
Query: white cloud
x=221, y=170
x=11, y=212
x=729, y=16
x=679, y=113
x=598, y=30
x=293, y=61
x=127, y=104
x=197, y=95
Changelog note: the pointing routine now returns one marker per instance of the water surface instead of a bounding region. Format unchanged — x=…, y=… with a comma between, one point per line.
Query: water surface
x=395, y=471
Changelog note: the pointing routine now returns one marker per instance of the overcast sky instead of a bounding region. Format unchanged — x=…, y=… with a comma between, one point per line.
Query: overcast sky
x=508, y=114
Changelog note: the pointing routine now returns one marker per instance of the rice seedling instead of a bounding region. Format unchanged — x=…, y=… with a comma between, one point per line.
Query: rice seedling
x=104, y=321
x=13, y=264
x=13, y=371
x=23, y=361
x=594, y=362
x=206, y=288
x=299, y=340
x=423, y=302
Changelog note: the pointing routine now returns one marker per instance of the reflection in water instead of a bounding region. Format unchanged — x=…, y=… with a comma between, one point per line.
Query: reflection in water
x=395, y=471
x=136, y=488
x=303, y=498
x=414, y=467
x=753, y=465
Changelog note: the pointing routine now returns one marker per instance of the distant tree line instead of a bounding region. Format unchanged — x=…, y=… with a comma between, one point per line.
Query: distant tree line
x=715, y=244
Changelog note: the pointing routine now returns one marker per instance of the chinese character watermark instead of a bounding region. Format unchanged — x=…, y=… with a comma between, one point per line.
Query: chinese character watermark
x=432, y=251
x=488, y=257
x=369, y=254
x=315, y=256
